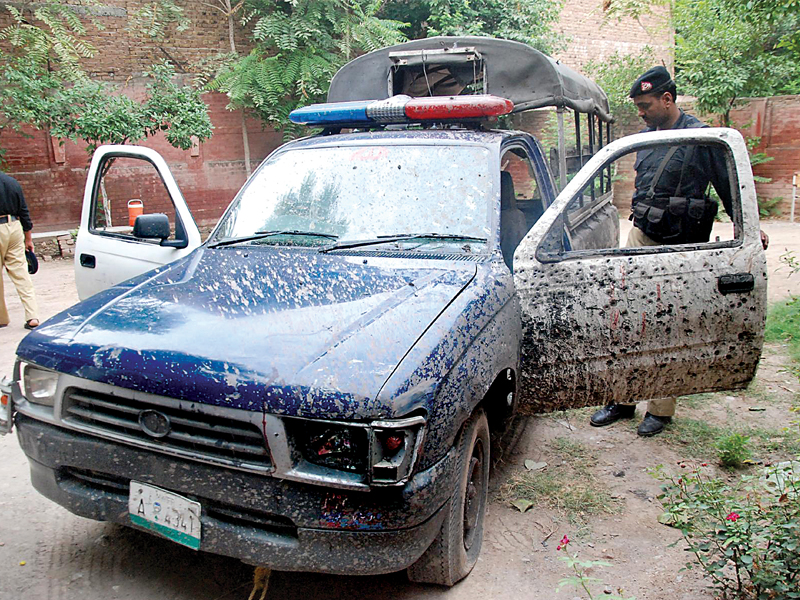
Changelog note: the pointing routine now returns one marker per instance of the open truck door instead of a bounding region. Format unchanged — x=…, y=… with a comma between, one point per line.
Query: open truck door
x=134, y=219
x=605, y=323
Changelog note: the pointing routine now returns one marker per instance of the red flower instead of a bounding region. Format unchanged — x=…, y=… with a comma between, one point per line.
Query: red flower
x=563, y=543
x=704, y=464
x=732, y=517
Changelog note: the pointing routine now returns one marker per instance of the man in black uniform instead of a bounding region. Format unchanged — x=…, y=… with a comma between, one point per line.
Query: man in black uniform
x=15, y=238
x=670, y=204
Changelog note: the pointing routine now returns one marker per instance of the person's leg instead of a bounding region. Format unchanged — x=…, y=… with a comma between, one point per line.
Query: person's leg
x=17, y=268
x=638, y=239
x=4, y=235
x=659, y=413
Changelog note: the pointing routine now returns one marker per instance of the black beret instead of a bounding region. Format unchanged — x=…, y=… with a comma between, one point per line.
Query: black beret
x=33, y=262
x=653, y=81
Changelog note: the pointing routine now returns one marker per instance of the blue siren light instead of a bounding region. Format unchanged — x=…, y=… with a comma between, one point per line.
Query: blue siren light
x=402, y=109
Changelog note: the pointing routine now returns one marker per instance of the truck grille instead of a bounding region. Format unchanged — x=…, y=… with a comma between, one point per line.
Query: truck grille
x=190, y=434
x=119, y=487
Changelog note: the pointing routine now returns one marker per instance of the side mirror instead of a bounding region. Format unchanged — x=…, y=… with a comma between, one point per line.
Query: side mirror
x=152, y=227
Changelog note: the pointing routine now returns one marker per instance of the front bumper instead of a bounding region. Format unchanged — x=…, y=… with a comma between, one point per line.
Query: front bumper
x=258, y=519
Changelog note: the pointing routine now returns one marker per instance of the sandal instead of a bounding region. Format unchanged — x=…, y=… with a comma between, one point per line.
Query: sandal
x=29, y=325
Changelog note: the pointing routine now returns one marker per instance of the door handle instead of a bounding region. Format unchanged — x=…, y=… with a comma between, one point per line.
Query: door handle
x=736, y=283
x=88, y=261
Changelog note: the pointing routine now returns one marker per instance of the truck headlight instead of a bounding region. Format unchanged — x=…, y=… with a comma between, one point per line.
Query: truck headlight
x=395, y=447
x=333, y=445
x=382, y=452
x=39, y=385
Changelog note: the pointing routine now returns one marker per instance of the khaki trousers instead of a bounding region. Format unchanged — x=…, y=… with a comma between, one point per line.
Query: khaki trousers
x=12, y=257
x=661, y=407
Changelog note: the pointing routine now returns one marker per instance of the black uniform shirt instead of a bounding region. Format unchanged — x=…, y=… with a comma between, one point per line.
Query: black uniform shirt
x=12, y=202
x=706, y=164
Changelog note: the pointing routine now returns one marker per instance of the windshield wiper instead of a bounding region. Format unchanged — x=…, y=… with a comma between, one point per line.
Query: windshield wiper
x=385, y=239
x=259, y=235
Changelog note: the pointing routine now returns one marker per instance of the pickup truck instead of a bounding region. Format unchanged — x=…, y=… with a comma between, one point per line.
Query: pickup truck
x=316, y=387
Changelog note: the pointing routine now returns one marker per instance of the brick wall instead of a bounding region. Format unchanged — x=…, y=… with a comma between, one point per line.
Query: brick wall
x=777, y=122
x=582, y=22
x=121, y=54
x=54, y=185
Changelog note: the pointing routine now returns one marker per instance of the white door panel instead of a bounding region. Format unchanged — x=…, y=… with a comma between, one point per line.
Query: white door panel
x=627, y=324
x=106, y=252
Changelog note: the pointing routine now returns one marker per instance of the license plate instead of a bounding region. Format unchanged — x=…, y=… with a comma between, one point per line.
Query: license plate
x=170, y=515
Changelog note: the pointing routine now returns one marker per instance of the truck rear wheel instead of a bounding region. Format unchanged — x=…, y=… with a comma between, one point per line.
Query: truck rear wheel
x=455, y=550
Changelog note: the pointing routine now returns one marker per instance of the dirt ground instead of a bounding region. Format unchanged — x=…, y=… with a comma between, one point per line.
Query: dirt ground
x=47, y=553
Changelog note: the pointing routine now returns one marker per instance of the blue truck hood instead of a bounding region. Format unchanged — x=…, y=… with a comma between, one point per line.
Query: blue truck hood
x=285, y=331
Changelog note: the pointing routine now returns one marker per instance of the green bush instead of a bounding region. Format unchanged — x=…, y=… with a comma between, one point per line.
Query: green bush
x=746, y=534
x=733, y=450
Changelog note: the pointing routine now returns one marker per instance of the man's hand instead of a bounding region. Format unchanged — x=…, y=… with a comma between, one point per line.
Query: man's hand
x=28, y=241
x=764, y=239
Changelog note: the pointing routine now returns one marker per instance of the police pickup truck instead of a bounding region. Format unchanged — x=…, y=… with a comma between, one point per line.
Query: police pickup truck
x=317, y=385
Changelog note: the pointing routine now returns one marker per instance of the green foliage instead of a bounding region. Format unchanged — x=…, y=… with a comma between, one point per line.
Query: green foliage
x=779, y=13
x=614, y=10
x=728, y=49
x=529, y=21
x=154, y=20
x=580, y=579
x=49, y=33
x=722, y=56
x=745, y=535
x=783, y=319
x=616, y=74
x=44, y=86
x=92, y=111
x=733, y=450
x=299, y=46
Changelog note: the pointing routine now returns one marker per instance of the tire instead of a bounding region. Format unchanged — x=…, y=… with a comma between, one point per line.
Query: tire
x=454, y=552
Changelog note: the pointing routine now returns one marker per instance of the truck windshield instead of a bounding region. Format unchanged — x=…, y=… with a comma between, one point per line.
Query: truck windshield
x=363, y=192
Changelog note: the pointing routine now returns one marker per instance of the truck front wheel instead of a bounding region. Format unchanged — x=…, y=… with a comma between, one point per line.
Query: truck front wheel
x=455, y=550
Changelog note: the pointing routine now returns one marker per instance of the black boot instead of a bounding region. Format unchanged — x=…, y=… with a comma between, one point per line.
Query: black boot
x=611, y=414
x=652, y=425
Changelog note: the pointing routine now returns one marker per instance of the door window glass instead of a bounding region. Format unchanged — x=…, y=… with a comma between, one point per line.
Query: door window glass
x=672, y=195
x=129, y=187
x=521, y=202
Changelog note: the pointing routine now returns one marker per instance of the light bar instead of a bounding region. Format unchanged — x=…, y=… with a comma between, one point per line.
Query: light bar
x=402, y=109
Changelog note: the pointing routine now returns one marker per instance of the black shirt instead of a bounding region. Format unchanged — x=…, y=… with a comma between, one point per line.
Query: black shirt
x=707, y=164
x=12, y=202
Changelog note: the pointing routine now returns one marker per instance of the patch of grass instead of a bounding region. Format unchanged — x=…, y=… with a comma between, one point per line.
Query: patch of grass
x=570, y=488
x=783, y=325
x=778, y=442
x=700, y=439
x=560, y=489
x=569, y=449
x=695, y=400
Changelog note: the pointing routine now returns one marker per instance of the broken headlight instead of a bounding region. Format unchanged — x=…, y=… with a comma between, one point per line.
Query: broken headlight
x=334, y=446
x=382, y=452
x=38, y=385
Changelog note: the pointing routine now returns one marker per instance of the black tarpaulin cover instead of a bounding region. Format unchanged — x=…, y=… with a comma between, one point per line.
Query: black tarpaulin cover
x=453, y=65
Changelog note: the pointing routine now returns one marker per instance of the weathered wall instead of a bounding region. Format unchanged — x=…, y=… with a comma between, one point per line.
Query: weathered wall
x=54, y=184
x=121, y=54
x=777, y=122
x=589, y=39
